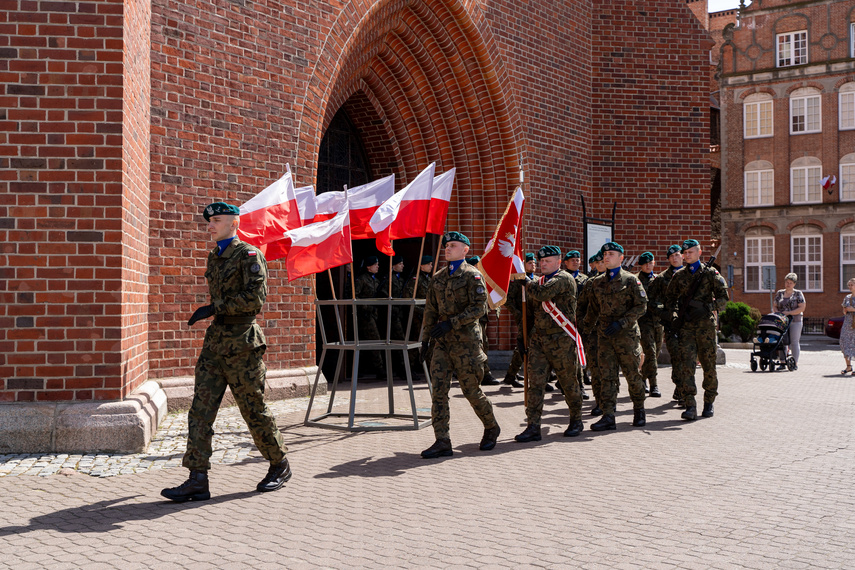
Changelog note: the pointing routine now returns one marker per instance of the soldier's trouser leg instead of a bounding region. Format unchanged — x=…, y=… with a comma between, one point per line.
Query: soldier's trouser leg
x=608, y=366
x=469, y=377
x=706, y=342
x=629, y=354
x=246, y=373
x=485, y=348
x=440, y=376
x=469, y=373
x=677, y=373
x=566, y=368
x=621, y=350
x=688, y=351
x=538, y=374
x=515, y=365
x=592, y=356
x=649, y=346
x=210, y=386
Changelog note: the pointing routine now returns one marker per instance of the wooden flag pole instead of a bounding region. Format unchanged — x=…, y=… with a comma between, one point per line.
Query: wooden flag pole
x=332, y=285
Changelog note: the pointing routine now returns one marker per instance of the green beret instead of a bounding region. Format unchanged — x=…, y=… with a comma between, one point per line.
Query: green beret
x=690, y=243
x=473, y=260
x=611, y=246
x=427, y=259
x=370, y=260
x=572, y=254
x=455, y=236
x=645, y=257
x=673, y=249
x=548, y=251
x=592, y=260
x=220, y=209
x=598, y=256
x=529, y=257
x=397, y=259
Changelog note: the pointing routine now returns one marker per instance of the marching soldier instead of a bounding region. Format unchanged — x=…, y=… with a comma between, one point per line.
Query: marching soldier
x=514, y=302
x=616, y=302
x=656, y=306
x=590, y=334
x=553, y=343
x=420, y=293
x=694, y=295
x=456, y=299
x=231, y=357
x=648, y=323
x=489, y=379
x=572, y=263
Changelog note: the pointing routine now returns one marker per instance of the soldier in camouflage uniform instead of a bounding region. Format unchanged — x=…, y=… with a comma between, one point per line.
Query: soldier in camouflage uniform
x=694, y=295
x=397, y=321
x=456, y=300
x=572, y=263
x=650, y=326
x=231, y=357
x=617, y=301
x=488, y=379
x=590, y=334
x=656, y=307
x=420, y=291
x=551, y=346
x=514, y=303
x=367, y=287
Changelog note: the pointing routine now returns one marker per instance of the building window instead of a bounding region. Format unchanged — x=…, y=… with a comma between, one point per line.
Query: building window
x=846, y=181
x=846, y=103
x=806, y=247
x=805, y=174
x=847, y=256
x=759, y=184
x=792, y=48
x=757, y=115
x=805, y=111
x=759, y=251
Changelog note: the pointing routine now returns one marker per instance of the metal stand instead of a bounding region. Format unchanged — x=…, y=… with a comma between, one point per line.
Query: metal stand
x=387, y=346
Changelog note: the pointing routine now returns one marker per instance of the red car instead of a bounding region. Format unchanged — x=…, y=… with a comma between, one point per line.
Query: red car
x=832, y=327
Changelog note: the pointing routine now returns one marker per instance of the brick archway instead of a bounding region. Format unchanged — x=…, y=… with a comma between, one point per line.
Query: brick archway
x=422, y=84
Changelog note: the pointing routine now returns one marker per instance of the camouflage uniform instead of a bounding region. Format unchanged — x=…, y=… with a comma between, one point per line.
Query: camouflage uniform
x=460, y=299
x=697, y=332
x=418, y=312
x=231, y=356
x=651, y=332
x=623, y=300
x=367, y=286
x=514, y=303
x=656, y=307
x=589, y=339
x=550, y=347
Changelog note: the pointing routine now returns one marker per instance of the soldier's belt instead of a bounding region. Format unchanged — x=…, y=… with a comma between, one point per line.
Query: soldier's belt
x=228, y=320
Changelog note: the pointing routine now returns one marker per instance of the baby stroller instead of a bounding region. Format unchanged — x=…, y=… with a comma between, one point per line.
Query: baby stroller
x=772, y=340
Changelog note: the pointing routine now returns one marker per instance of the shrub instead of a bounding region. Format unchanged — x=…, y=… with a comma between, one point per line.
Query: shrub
x=739, y=319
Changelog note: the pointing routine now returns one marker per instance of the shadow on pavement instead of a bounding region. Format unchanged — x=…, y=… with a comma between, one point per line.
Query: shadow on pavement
x=109, y=514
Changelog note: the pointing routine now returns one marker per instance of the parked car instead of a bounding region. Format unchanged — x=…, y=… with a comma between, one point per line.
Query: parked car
x=832, y=326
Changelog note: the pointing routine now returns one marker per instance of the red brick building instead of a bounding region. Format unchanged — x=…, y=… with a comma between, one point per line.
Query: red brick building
x=120, y=120
x=788, y=116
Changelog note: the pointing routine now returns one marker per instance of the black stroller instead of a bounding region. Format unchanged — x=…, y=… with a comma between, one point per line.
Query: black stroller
x=772, y=340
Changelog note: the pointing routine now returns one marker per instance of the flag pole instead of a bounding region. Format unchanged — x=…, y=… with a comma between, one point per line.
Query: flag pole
x=332, y=285
x=524, y=303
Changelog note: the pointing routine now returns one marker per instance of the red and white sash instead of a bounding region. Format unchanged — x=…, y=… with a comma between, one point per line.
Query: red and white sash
x=562, y=321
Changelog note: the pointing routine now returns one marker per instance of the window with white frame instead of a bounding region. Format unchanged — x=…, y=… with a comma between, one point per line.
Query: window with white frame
x=847, y=255
x=759, y=252
x=805, y=174
x=759, y=183
x=846, y=106
x=846, y=180
x=805, y=111
x=806, y=262
x=757, y=115
x=792, y=48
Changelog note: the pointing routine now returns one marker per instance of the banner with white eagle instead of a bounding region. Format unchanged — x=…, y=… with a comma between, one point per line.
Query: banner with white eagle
x=498, y=261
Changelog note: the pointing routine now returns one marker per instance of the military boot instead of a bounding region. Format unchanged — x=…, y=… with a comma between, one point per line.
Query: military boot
x=513, y=381
x=639, y=417
x=708, y=410
x=690, y=414
x=654, y=392
x=596, y=410
x=574, y=429
x=276, y=477
x=604, y=423
x=531, y=433
x=489, y=380
x=440, y=448
x=488, y=442
x=193, y=489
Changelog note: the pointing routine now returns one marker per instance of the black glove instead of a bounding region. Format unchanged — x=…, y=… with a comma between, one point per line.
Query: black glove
x=613, y=328
x=697, y=313
x=440, y=329
x=521, y=347
x=424, y=351
x=201, y=313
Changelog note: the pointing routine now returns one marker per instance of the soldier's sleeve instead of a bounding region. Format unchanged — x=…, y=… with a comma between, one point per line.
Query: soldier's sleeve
x=639, y=307
x=477, y=302
x=541, y=292
x=592, y=310
x=720, y=291
x=250, y=299
x=429, y=317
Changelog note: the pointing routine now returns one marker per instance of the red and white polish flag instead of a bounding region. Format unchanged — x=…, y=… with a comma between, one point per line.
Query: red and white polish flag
x=405, y=214
x=498, y=262
x=440, y=198
x=320, y=246
x=364, y=201
x=322, y=207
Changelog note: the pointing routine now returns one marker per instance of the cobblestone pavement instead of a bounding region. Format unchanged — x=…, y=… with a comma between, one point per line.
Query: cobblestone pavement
x=766, y=483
